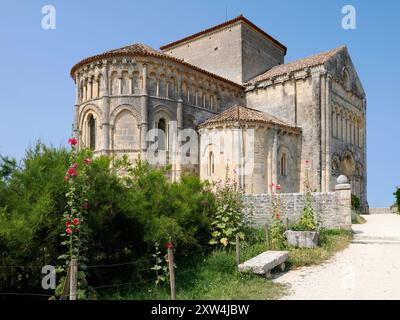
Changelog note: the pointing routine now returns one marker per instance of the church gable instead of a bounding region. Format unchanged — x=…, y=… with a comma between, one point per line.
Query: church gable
x=341, y=67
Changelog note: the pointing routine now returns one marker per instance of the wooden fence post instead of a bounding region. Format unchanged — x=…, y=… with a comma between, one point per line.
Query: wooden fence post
x=171, y=271
x=73, y=282
x=237, y=249
x=267, y=236
x=65, y=291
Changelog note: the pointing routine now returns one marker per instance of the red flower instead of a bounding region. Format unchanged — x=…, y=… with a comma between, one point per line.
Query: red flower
x=307, y=162
x=75, y=165
x=87, y=161
x=170, y=245
x=73, y=142
x=85, y=205
x=277, y=216
x=68, y=224
x=66, y=178
x=76, y=221
x=68, y=230
x=72, y=172
x=278, y=187
x=272, y=185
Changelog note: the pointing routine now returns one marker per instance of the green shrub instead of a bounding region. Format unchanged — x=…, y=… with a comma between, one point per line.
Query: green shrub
x=355, y=202
x=127, y=214
x=397, y=196
x=356, y=218
x=229, y=217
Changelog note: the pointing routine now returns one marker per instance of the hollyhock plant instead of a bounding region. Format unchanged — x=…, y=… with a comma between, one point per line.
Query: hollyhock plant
x=76, y=208
x=277, y=227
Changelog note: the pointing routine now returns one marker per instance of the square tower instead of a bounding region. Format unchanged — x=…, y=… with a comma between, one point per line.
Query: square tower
x=237, y=50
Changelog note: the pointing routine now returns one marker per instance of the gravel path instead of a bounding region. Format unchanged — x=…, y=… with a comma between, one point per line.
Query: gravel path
x=362, y=271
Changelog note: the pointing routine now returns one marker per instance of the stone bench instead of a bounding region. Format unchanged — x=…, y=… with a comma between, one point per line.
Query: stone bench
x=265, y=262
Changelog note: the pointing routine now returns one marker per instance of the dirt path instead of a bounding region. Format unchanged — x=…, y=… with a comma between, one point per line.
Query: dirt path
x=368, y=269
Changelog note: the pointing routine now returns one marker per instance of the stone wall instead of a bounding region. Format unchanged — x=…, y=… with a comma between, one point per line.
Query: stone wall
x=237, y=52
x=332, y=209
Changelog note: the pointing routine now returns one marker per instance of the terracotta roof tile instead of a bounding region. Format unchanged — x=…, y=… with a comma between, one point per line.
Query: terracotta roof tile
x=240, y=113
x=296, y=65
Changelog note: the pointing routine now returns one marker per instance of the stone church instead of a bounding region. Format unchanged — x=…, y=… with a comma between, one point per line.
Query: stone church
x=229, y=84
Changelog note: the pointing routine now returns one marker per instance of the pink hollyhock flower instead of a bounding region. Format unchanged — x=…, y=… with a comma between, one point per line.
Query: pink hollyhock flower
x=73, y=142
x=75, y=165
x=170, y=245
x=87, y=161
x=66, y=178
x=277, y=216
x=76, y=221
x=307, y=162
x=68, y=224
x=68, y=230
x=278, y=187
x=72, y=172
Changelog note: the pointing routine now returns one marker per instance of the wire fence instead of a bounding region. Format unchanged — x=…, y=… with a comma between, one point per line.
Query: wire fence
x=115, y=284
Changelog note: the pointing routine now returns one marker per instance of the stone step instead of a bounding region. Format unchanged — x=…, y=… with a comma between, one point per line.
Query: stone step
x=375, y=241
x=380, y=211
x=362, y=237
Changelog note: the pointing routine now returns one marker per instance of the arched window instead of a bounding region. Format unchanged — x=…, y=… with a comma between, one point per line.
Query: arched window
x=211, y=163
x=283, y=165
x=92, y=132
x=346, y=79
x=163, y=140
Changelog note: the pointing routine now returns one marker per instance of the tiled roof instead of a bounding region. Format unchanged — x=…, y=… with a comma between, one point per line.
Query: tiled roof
x=244, y=114
x=296, y=65
x=222, y=25
x=139, y=49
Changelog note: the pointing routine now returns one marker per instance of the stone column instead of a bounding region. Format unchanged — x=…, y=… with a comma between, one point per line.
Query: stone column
x=76, y=117
x=269, y=162
x=144, y=112
x=179, y=120
x=323, y=124
x=105, y=106
x=328, y=140
x=343, y=204
x=365, y=206
x=274, y=157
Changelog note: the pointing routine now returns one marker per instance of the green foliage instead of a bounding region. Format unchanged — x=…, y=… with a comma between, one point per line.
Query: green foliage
x=276, y=233
x=356, y=218
x=332, y=241
x=130, y=208
x=397, y=196
x=229, y=217
x=160, y=265
x=307, y=219
x=355, y=202
x=31, y=202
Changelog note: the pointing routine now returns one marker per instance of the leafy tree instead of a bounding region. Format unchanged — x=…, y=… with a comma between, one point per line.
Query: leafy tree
x=130, y=207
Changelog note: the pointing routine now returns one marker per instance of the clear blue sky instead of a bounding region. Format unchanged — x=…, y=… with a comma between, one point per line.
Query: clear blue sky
x=37, y=93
